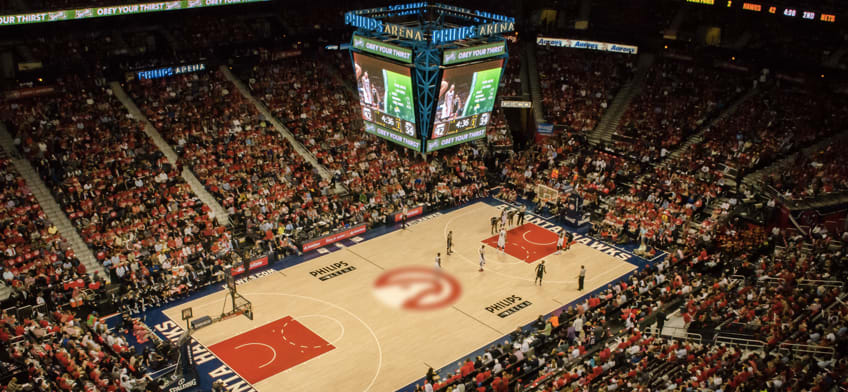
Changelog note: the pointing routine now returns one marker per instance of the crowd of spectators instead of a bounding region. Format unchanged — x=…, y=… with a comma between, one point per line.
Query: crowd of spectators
x=37, y=262
x=822, y=172
x=58, y=351
x=310, y=97
x=130, y=205
x=579, y=84
x=250, y=169
x=566, y=163
x=676, y=99
x=776, y=122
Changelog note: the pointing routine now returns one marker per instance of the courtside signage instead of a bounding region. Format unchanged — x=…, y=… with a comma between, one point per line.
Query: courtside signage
x=334, y=237
x=508, y=306
x=331, y=271
x=115, y=10
x=409, y=213
x=454, y=56
x=393, y=52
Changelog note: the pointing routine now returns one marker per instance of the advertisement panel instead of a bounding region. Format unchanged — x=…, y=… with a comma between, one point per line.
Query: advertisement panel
x=379, y=48
x=466, y=97
x=386, y=99
x=455, y=56
x=338, y=236
x=258, y=263
x=409, y=213
x=517, y=104
x=115, y=10
x=584, y=44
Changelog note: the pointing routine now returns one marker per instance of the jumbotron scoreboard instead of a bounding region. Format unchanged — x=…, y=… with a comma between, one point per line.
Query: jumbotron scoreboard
x=427, y=74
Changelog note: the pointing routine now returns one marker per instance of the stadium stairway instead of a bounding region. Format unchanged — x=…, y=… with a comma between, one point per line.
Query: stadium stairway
x=609, y=121
x=51, y=207
x=755, y=179
x=325, y=174
x=533, y=79
x=699, y=137
x=170, y=154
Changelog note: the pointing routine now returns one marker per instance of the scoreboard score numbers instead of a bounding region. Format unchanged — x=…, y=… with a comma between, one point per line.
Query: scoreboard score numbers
x=771, y=8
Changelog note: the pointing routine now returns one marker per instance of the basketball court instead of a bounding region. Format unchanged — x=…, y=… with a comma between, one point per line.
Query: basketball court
x=375, y=314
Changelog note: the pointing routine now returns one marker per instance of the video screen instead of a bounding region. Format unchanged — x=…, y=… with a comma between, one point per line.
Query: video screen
x=466, y=97
x=386, y=99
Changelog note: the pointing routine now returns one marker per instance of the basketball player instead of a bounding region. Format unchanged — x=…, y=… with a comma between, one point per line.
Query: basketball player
x=502, y=240
x=494, y=222
x=450, y=243
x=540, y=273
x=482, y=257
x=447, y=105
x=560, y=240
x=366, y=93
x=377, y=104
x=438, y=260
x=457, y=105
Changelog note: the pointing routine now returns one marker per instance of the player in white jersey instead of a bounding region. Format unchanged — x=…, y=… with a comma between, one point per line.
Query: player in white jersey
x=365, y=84
x=482, y=257
x=502, y=240
x=560, y=240
x=447, y=106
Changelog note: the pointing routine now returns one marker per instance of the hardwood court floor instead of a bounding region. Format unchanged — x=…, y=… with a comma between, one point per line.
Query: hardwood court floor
x=378, y=347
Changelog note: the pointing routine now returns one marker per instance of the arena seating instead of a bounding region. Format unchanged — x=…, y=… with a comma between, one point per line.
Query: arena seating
x=676, y=99
x=131, y=207
x=577, y=85
x=321, y=112
x=780, y=291
x=778, y=121
x=62, y=352
x=37, y=261
x=821, y=173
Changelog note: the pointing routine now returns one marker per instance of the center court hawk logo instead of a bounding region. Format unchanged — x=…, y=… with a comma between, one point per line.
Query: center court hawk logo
x=417, y=288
